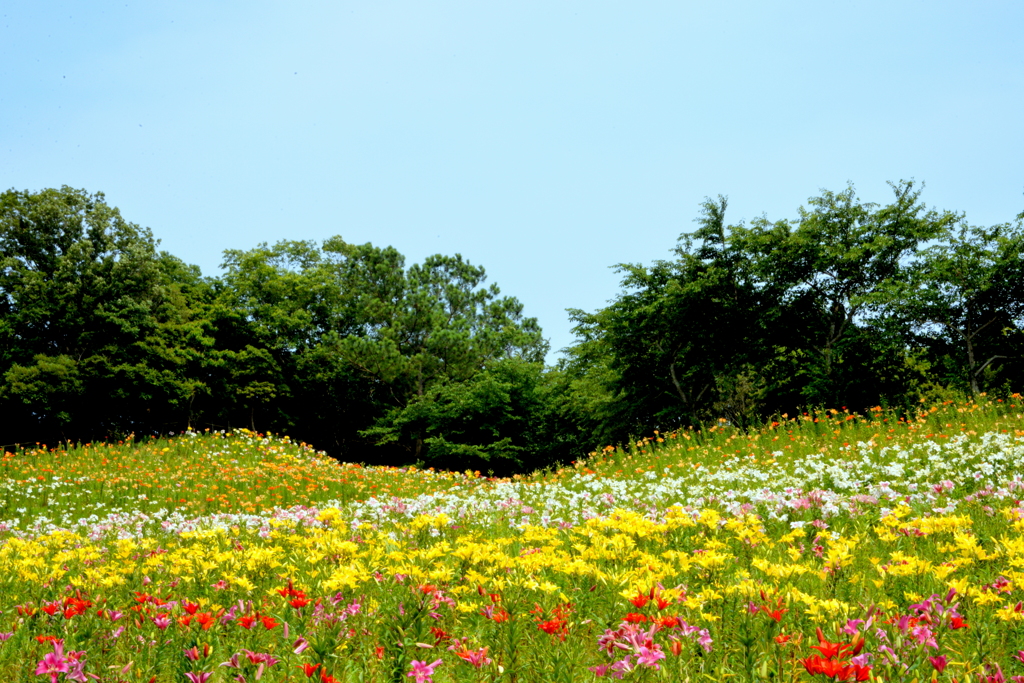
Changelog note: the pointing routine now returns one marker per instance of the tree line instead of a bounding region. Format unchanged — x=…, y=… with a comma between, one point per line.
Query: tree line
x=103, y=335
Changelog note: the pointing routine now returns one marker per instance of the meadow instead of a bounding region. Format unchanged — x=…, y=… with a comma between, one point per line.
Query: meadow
x=824, y=546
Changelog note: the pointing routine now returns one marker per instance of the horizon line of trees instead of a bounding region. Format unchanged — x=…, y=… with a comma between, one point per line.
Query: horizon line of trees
x=346, y=347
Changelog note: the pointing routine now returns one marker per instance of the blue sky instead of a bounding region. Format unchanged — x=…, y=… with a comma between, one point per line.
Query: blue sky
x=544, y=141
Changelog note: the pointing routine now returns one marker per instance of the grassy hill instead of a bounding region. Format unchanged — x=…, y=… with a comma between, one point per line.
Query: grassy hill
x=826, y=546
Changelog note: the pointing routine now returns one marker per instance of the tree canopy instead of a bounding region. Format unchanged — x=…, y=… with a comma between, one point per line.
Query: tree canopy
x=346, y=346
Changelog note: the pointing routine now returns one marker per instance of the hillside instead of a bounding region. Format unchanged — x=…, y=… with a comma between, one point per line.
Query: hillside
x=831, y=546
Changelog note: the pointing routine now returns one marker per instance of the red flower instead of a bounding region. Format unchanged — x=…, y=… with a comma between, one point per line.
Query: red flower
x=828, y=650
x=268, y=622
x=634, y=618
x=290, y=591
x=640, y=600
x=830, y=662
x=554, y=627
x=309, y=669
x=833, y=668
x=246, y=621
x=73, y=606
x=860, y=673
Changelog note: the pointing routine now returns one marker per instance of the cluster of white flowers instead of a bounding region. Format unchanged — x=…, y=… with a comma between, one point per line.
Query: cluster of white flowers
x=930, y=476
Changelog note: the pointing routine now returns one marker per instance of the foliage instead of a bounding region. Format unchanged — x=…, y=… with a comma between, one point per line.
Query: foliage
x=850, y=304
x=770, y=317
x=963, y=299
x=345, y=338
x=436, y=338
x=89, y=308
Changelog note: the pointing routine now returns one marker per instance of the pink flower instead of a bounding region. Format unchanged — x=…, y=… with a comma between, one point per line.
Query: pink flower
x=993, y=674
x=704, y=640
x=53, y=664
x=924, y=636
x=938, y=662
x=477, y=658
x=650, y=656
x=423, y=672
x=233, y=662
x=620, y=667
x=605, y=670
x=200, y=677
x=76, y=668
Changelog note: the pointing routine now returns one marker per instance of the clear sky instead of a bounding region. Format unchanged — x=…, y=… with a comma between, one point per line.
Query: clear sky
x=545, y=141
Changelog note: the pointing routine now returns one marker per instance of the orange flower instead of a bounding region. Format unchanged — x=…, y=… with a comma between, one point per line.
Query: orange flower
x=206, y=620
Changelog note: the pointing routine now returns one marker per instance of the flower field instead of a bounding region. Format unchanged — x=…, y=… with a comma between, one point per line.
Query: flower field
x=830, y=546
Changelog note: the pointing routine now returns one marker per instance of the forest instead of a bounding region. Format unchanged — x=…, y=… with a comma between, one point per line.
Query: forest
x=103, y=336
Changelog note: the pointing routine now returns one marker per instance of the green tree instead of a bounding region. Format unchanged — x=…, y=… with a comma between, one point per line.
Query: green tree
x=827, y=268
x=97, y=332
x=581, y=412
x=344, y=346
x=963, y=299
x=424, y=331
x=759, y=318
x=492, y=421
x=278, y=314
x=679, y=330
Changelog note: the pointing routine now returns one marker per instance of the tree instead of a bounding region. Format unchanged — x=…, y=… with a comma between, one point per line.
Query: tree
x=423, y=330
x=964, y=299
x=344, y=346
x=827, y=269
x=492, y=421
x=278, y=314
x=681, y=327
x=97, y=332
x=581, y=411
x=759, y=318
